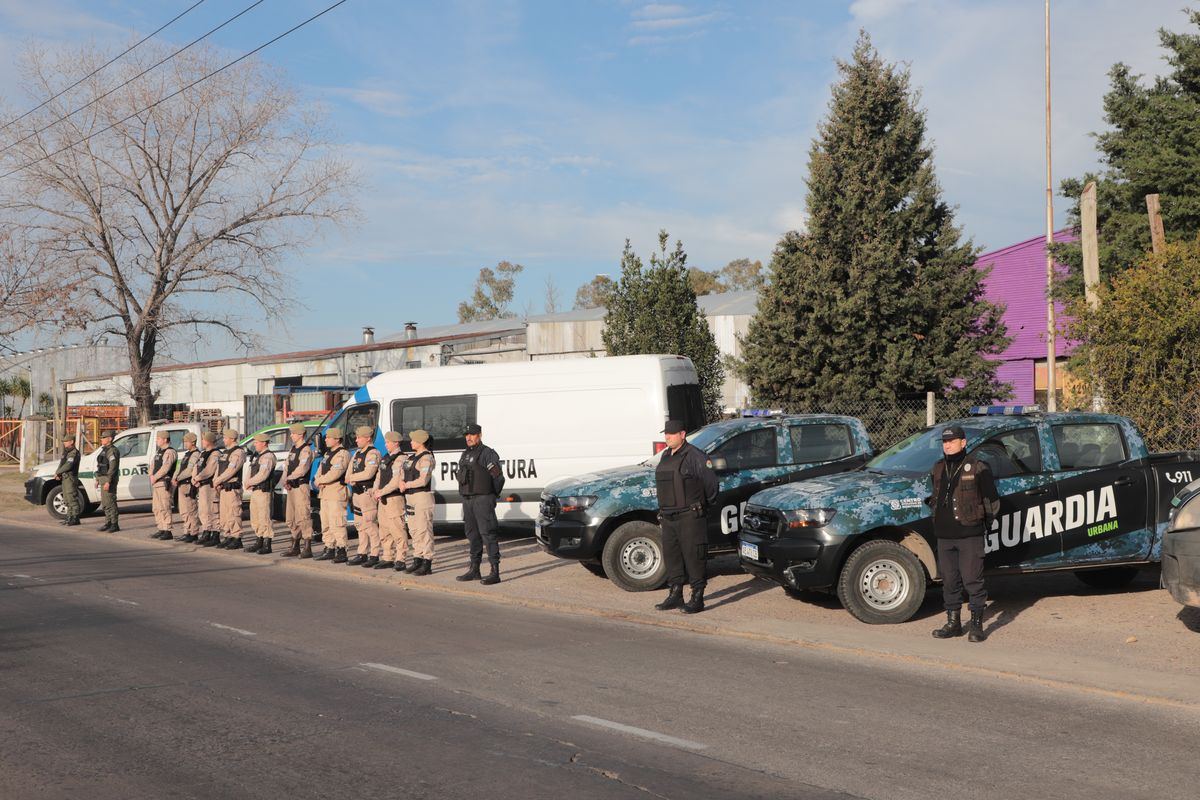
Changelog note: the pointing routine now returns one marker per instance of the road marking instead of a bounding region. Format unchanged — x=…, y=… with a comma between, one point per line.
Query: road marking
x=15, y=575
x=119, y=600
x=235, y=630
x=421, y=676
x=642, y=732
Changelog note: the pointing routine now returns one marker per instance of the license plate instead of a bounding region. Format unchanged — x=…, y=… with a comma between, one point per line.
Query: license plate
x=749, y=551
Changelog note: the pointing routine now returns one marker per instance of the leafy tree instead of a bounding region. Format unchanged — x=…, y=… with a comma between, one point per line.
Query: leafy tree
x=493, y=293
x=704, y=281
x=595, y=293
x=1152, y=147
x=742, y=274
x=654, y=311
x=880, y=297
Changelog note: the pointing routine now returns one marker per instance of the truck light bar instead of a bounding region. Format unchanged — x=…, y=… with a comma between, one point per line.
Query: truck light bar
x=989, y=411
x=762, y=412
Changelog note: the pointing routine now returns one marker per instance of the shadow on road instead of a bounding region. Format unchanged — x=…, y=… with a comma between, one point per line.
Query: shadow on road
x=1190, y=617
x=747, y=588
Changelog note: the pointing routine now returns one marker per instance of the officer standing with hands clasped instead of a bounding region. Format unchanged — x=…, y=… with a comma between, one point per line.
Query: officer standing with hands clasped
x=206, y=493
x=189, y=508
x=298, y=515
x=686, y=488
x=67, y=473
x=261, y=484
x=480, y=479
x=964, y=503
x=160, y=486
x=229, y=483
x=108, y=472
x=332, y=494
x=360, y=481
x=418, y=496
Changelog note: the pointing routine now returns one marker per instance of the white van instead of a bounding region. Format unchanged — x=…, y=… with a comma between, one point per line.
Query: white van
x=546, y=419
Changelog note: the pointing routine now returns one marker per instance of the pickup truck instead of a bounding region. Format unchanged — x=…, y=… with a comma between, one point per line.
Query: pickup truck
x=1181, y=546
x=1079, y=491
x=608, y=520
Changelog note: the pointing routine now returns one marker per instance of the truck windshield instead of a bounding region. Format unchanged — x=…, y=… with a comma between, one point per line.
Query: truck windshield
x=917, y=453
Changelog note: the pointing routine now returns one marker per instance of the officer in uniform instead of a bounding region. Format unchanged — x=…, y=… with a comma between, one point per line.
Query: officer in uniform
x=228, y=481
x=67, y=473
x=165, y=459
x=206, y=470
x=108, y=473
x=418, y=496
x=480, y=479
x=360, y=480
x=189, y=508
x=964, y=503
x=332, y=494
x=298, y=514
x=686, y=488
x=390, y=496
x=261, y=484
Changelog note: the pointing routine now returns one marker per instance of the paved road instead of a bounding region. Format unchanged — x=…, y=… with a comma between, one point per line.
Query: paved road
x=155, y=671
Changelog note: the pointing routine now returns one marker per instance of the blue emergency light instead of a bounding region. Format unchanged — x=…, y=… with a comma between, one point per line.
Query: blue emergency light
x=993, y=411
x=762, y=412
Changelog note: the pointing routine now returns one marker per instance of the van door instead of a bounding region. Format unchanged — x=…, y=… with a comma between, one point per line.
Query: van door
x=135, y=466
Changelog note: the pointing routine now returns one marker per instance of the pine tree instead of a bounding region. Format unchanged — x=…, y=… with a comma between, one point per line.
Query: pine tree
x=879, y=298
x=655, y=311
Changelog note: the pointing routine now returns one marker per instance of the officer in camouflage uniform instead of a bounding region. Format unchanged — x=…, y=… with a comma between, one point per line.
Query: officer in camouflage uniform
x=108, y=474
x=68, y=474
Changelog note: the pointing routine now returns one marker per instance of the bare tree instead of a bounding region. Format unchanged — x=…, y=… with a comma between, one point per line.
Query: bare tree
x=166, y=215
x=25, y=288
x=553, y=296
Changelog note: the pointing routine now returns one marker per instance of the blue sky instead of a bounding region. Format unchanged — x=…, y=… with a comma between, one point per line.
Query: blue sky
x=545, y=133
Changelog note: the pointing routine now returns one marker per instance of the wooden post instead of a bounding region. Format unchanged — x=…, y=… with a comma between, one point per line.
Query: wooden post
x=1158, y=237
x=1091, y=252
x=930, y=409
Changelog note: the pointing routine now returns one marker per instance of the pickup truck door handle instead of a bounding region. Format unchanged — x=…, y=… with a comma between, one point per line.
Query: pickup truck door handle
x=1125, y=481
x=1037, y=492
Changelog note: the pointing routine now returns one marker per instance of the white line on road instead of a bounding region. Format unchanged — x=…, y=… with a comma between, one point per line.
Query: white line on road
x=16, y=575
x=642, y=732
x=421, y=676
x=119, y=600
x=235, y=630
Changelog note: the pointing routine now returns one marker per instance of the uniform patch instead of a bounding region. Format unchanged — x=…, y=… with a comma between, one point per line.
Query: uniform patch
x=966, y=467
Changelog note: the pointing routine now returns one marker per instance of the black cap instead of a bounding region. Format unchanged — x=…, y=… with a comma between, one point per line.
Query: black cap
x=674, y=426
x=473, y=430
x=952, y=433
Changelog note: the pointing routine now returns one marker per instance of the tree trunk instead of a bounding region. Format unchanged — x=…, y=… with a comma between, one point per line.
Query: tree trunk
x=139, y=372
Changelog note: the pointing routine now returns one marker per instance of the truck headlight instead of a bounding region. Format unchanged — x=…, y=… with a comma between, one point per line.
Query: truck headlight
x=1188, y=517
x=808, y=517
x=580, y=502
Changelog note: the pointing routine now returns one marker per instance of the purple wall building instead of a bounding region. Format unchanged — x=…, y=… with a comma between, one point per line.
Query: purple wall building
x=1018, y=282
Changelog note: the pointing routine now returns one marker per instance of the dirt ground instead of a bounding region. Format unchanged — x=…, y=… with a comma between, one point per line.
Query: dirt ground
x=1047, y=628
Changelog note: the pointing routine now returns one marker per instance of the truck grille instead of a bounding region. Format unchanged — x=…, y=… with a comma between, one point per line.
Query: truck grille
x=761, y=521
x=548, y=509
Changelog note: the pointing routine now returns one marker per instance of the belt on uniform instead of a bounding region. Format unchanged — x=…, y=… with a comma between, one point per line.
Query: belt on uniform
x=697, y=510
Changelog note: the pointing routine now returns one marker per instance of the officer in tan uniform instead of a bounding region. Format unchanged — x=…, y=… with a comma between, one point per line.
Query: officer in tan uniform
x=206, y=493
x=189, y=509
x=261, y=484
x=332, y=494
x=299, y=499
x=418, y=496
x=360, y=480
x=229, y=483
x=160, y=485
x=389, y=495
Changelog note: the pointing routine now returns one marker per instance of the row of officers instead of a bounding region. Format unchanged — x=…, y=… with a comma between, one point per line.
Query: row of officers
x=390, y=494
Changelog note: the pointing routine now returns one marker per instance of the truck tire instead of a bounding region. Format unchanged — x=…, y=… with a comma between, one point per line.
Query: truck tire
x=1107, y=579
x=882, y=583
x=55, y=504
x=633, y=557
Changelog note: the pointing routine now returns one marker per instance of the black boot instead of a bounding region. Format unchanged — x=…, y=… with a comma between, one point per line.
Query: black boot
x=72, y=522
x=975, y=632
x=328, y=554
x=213, y=539
x=953, y=626
x=695, y=603
x=411, y=566
x=105, y=528
x=295, y=551
x=156, y=535
x=674, y=599
x=306, y=552
x=340, y=558
x=233, y=543
x=493, y=577
x=470, y=575
x=114, y=528
x=264, y=549
x=358, y=560
x=386, y=565
x=371, y=562
x=254, y=547
x=167, y=536
x=425, y=569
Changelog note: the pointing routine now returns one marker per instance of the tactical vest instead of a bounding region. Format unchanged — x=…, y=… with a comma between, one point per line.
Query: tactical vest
x=202, y=464
x=963, y=496
x=268, y=484
x=70, y=461
x=327, y=461
x=676, y=491
x=386, y=473
x=223, y=464
x=158, y=463
x=293, y=461
x=473, y=478
x=102, y=462
x=360, y=461
x=412, y=472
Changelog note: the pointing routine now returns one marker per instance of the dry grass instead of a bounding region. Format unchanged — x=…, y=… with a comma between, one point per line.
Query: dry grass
x=12, y=490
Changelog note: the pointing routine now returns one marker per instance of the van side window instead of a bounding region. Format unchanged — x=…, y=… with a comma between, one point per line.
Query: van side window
x=750, y=450
x=1012, y=453
x=1089, y=445
x=819, y=443
x=685, y=404
x=443, y=417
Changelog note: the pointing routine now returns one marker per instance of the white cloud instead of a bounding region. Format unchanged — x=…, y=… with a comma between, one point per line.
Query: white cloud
x=378, y=100
x=657, y=24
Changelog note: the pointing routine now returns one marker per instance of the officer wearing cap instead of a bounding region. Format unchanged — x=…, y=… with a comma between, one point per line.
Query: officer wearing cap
x=298, y=513
x=206, y=493
x=480, y=479
x=228, y=481
x=686, y=487
x=261, y=485
x=419, y=466
x=67, y=473
x=165, y=458
x=108, y=472
x=360, y=480
x=332, y=495
x=964, y=504
x=189, y=508
x=390, y=496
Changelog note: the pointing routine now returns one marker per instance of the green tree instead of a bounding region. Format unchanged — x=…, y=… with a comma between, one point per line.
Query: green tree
x=595, y=293
x=1152, y=147
x=654, y=311
x=742, y=274
x=493, y=293
x=880, y=297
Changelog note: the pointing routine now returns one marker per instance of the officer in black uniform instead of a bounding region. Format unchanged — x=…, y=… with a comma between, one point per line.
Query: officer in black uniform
x=686, y=487
x=108, y=473
x=68, y=474
x=480, y=479
x=964, y=503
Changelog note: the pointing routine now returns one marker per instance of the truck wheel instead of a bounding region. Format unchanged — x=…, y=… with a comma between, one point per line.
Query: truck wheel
x=633, y=558
x=1107, y=579
x=595, y=568
x=55, y=503
x=882, y=583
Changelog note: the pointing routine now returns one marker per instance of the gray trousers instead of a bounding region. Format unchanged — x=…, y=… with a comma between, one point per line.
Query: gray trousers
x=479, y=523
x=961, y=563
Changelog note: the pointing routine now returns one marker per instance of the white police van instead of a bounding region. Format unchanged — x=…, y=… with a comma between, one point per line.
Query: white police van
x=546, y=419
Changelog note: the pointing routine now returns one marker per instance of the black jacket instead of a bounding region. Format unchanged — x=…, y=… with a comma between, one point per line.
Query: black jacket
x=964, y=498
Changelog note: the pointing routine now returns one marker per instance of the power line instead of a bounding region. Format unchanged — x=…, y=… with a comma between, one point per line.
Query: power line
x=95, y=100
x=177, y=92
x=140, y=42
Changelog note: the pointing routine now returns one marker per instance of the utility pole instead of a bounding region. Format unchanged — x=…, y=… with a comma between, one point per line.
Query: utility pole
x=1090, y=244
x=1051, y=332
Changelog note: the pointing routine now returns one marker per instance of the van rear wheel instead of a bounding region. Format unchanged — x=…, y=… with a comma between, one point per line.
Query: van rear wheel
x=633, y=557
